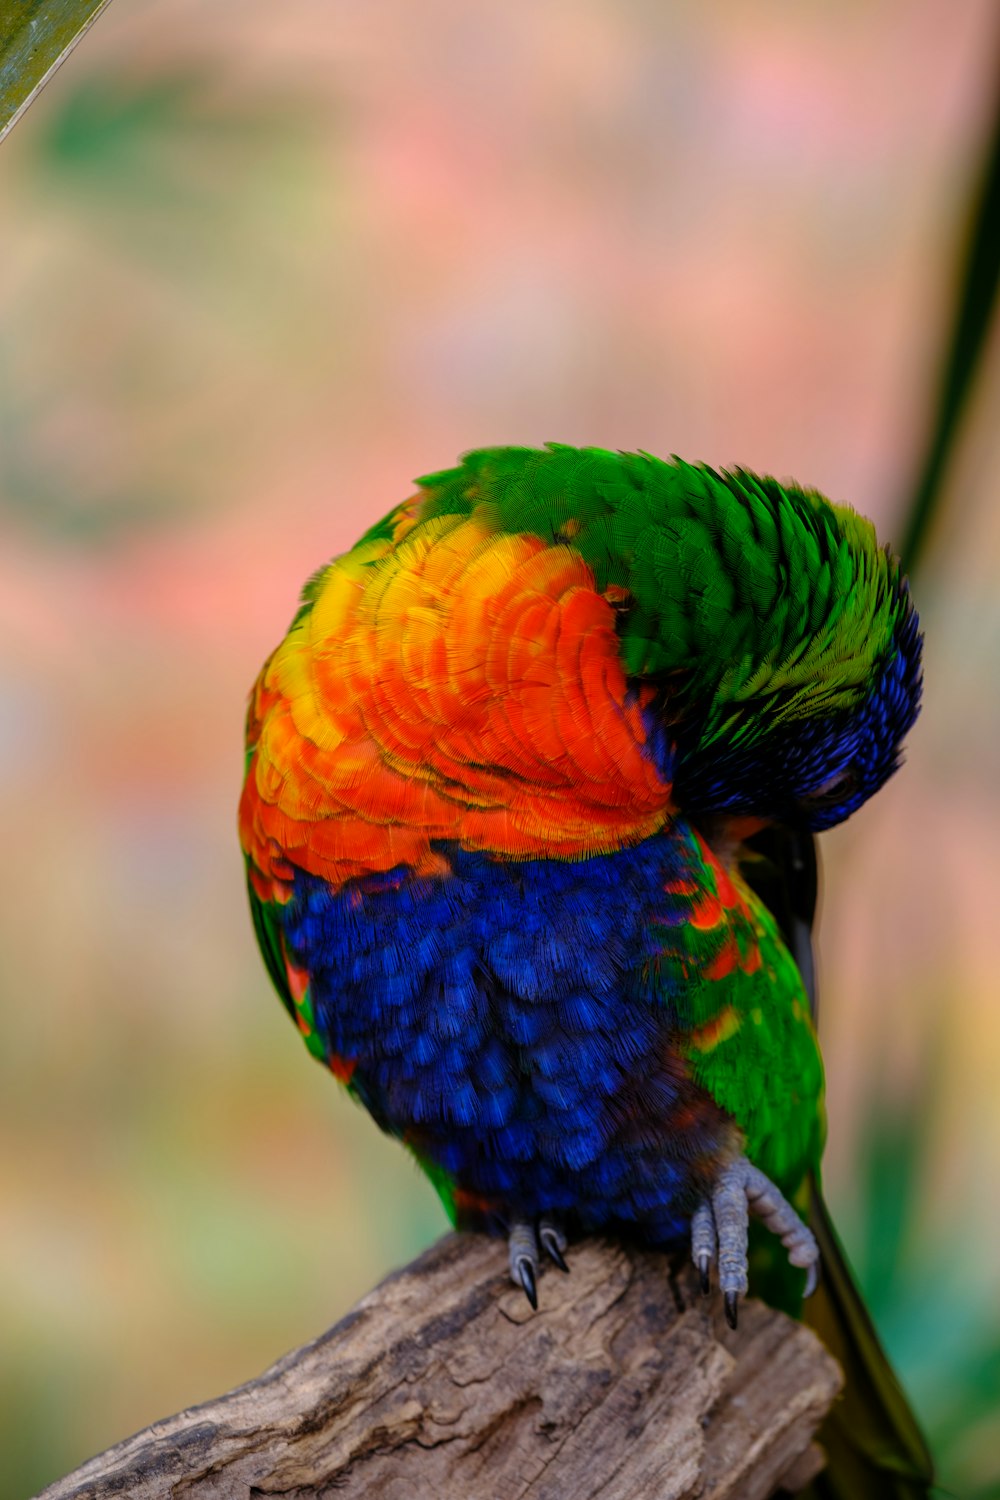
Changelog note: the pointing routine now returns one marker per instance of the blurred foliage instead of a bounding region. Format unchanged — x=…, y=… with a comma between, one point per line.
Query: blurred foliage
x=174, y=185
x=940, y=1325
x=975, y=305
x=35, y=485
x=33, y=39
x=942, y=1330
x=144, y=158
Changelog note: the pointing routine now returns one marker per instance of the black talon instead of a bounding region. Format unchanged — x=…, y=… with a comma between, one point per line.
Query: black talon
x=704, y=1264
x=732, y=1300
x=551, y=1247
x=526, y=1273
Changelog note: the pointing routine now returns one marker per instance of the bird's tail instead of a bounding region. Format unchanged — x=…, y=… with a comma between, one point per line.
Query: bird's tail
x=873, y=1443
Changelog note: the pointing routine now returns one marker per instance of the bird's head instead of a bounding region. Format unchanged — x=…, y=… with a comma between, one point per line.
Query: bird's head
x=811, y=769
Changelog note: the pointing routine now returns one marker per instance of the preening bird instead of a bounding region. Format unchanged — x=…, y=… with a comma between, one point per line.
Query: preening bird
x=505, y=778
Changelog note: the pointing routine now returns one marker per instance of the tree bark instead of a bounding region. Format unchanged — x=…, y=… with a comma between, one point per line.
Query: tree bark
x=442, y=1383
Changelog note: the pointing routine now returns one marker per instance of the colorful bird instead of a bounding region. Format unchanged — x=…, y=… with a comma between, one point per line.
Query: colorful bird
x=504, y=774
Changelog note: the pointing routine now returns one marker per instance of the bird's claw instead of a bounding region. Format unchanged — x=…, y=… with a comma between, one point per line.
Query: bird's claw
x=524, y=1275
x=719, y=1229
x=553, y=1242
x=523, y=1253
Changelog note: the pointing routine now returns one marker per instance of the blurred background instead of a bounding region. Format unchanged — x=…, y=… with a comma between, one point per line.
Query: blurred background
x=260, y=266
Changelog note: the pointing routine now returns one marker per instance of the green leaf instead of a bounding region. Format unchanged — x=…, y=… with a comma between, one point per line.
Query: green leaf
x=35, y=37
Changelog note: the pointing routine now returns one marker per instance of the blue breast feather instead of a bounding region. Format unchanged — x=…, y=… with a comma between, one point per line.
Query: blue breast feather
x=511, y=1021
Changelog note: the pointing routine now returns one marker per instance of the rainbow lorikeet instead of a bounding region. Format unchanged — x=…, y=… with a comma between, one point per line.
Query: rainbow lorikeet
x=504, y=778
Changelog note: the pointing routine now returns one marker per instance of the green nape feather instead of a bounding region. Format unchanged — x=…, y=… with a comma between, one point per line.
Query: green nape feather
x=781, y=599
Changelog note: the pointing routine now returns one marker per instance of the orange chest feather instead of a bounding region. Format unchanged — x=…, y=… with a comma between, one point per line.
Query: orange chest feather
x=457, y=685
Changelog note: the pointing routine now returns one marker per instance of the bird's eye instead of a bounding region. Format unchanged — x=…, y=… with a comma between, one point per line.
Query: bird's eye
x=841, y=783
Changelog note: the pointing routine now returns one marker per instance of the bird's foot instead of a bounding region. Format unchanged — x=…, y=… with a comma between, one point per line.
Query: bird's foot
x=721, y=1221
x=523, y=1241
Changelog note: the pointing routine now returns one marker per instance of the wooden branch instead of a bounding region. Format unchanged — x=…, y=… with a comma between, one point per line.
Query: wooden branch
x=442, y=1384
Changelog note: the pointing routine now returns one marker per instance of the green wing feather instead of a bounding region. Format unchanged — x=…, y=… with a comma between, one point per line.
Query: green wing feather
x=746, y=1031
x=267, y=926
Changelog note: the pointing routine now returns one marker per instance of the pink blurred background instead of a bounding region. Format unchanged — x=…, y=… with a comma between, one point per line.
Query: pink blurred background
x=260, y=267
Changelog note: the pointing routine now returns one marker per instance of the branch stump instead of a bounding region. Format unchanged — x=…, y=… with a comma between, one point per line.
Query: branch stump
x=442, y=1383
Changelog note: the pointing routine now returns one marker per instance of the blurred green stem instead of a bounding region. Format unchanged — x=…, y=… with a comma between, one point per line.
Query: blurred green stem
x=35, y=37
x=973, y=312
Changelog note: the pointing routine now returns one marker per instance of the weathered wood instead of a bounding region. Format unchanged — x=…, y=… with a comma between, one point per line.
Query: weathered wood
x=442, y=1383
